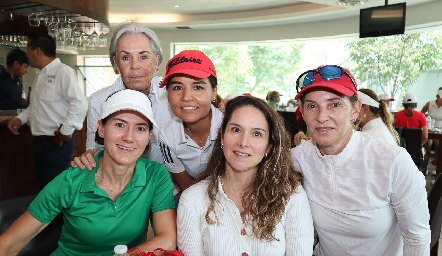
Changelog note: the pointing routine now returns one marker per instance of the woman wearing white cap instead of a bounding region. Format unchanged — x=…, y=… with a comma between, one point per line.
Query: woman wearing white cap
x=367, y=197
x=111, y=204
x=410, y=118
x=187, y=140
x=375, y=118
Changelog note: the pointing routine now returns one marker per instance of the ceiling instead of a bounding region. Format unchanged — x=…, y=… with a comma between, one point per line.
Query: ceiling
x=208, y=14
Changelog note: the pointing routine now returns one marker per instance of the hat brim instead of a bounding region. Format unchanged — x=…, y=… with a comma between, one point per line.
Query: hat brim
x=336, y=87
x=191, y=72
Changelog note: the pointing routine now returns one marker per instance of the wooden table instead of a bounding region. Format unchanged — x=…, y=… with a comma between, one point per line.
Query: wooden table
x=437, y=136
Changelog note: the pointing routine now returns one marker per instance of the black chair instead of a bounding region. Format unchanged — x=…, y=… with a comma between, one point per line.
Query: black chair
x=45, y=242
x=413, y=143
x=435, y=209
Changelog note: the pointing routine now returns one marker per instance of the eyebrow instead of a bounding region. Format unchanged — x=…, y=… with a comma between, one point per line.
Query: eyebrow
x=126, y=52
x=124, y=121
x=331, y=99
x=255, y=129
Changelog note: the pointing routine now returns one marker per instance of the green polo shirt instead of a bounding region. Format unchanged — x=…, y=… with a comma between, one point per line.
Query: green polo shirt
x=272, y=102
x=93, y=223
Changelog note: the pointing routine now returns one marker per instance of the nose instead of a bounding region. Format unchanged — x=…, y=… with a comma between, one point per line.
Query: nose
x=187, y=94
x=244, y=141
x=322, y=116
x=134, y=63
x=128, y=135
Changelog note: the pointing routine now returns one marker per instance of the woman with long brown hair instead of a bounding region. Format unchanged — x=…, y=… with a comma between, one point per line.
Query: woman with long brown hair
x=249, y=200
x=375, y=118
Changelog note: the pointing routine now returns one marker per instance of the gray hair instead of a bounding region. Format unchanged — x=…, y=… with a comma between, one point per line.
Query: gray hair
x=128, y=27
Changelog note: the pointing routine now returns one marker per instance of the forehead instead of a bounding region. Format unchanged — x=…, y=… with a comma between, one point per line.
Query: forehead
x=134, y=42
x=318, y=94
x=249, y=116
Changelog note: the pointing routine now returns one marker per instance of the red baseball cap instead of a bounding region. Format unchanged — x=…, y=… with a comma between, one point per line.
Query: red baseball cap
x=189, y=62
x=345, y=85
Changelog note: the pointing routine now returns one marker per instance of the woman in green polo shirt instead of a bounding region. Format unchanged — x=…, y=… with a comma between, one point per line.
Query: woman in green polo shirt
x=111, y=204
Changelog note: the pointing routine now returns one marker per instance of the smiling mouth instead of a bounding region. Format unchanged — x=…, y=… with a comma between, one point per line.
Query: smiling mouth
x=126, y=148
x=240, y=153
x=189, y=108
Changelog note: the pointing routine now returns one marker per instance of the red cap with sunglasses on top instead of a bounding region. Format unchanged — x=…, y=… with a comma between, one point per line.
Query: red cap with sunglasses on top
x=332, y=77
x=189, y=62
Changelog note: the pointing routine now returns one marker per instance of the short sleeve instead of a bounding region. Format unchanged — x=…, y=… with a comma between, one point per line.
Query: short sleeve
x=163, y=194
x=54, y=197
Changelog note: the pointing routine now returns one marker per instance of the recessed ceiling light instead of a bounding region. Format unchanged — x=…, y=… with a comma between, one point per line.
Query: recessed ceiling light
x=351, y=2
x=176, y=6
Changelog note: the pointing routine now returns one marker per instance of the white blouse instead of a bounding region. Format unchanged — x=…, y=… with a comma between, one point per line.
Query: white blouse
x=197, y=238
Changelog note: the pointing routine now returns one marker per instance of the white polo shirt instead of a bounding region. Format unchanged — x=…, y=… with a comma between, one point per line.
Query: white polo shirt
x=180, y=152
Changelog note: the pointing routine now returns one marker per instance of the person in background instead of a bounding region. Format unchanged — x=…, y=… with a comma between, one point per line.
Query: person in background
x=273, y=99
x=250, y=199
x=135, y=54
x=434, y=109
x=11, y=88
x=111, y=204
x=222, y=105
x=58, y=108
x=375, y=118
x=187, y=140
x=366, y=196
x=387, y=98
x=217, y=101
x=410, y=118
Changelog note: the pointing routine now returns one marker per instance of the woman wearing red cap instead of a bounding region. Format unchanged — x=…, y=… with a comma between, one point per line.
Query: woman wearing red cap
x=187, y=140
x=367, y=197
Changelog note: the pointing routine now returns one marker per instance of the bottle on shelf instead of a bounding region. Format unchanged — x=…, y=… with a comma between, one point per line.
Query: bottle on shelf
x=120, y=250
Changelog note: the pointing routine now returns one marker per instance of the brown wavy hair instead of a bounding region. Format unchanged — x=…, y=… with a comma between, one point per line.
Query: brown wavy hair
x=383, y=112
x=264, y=200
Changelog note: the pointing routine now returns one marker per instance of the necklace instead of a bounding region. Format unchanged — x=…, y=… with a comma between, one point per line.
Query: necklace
x=200, y=142
x=110, y=190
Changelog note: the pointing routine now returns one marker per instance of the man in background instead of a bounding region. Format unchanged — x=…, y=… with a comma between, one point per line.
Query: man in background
x=58, y=108
x=11, y=88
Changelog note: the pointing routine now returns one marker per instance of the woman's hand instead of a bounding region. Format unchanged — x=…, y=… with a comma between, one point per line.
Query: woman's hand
x=298, y=137
x=85, y=160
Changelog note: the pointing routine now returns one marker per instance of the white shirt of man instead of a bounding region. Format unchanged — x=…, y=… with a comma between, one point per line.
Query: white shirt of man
x=56, y=99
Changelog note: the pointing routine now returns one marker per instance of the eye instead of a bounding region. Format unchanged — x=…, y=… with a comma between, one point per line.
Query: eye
x=198, y=87
x=177, y=87
x=141, y=129
x=236, y=130
x=120, y=125
x=257, y=134
x=125, y=57
x=144, y=57
x=311, y=106
x=335, y=104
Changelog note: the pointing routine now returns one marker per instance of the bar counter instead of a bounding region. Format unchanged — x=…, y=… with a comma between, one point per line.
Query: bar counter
x=17, y=173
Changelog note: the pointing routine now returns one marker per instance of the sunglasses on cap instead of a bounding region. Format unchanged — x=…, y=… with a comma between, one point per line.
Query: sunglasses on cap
x=328, y=72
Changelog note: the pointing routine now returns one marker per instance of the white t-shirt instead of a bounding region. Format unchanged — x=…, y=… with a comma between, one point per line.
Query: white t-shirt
x=197, y=238
x=180, y=152
x=368, y=200
x=436, y=114
x=378, y=129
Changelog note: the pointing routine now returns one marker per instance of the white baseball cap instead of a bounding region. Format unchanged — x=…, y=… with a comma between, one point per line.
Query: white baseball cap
x=385, y=96
x=439, y=93
x=409, y=98
x=128, y=99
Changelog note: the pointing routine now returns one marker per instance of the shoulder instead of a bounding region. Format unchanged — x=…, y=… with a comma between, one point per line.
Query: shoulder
x=152, y=166
x=196, y=192
x=171, y=127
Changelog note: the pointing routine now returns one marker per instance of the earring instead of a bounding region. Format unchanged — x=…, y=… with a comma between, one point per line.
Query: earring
x=265, y=155
x=222, y=146
x=353, y=120
x=365, y=115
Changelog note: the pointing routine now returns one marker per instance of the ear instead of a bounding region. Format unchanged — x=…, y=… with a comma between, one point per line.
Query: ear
x=355, y=111
x=221, y=136
x=215, y=93
x=114, y=58
x=100, y=129
x=16, y=64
